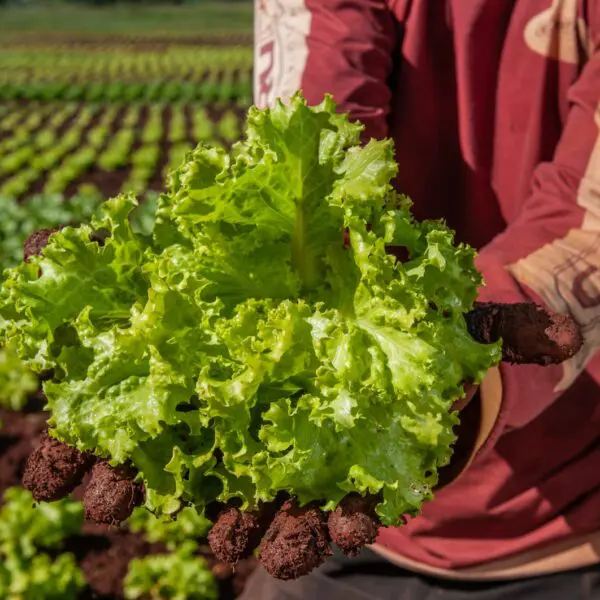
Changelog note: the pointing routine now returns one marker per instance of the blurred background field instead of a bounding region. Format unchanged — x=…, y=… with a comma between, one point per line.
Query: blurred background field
x=97, y=99
x=192, y=18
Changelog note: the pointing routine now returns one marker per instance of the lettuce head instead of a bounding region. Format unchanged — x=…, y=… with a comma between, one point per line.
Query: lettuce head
x=242, y=348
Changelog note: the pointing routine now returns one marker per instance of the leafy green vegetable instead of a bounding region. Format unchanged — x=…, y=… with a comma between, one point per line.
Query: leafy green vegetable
x=26, y=526
x=26, y=531
x=177, y=576
x=242, y=349
x=189, y=525
x=17, y=222
x=16, y=380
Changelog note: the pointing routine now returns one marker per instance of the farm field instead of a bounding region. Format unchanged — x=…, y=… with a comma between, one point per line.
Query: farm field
x=66, y=147
x=94, y=102
x=113, y=115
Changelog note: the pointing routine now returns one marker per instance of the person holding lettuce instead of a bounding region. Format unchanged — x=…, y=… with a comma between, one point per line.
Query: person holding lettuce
x=494, y=108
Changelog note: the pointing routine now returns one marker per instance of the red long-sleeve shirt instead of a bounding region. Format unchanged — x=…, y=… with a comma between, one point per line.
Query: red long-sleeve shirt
x=494, y=106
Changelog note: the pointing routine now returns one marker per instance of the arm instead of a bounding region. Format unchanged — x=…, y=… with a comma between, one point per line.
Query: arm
x=344, y=47
x=551, y=253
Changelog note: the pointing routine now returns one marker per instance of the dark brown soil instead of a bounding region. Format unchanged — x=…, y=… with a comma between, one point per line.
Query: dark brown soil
x=235, y=535
x=189, y=123
x=111, y=494
x=157, y=182
x=133, y=43
x=296, y=542
x=53, y=470
x=104, y=555
x=109, y=183
x=353, y=524
x=530, y=334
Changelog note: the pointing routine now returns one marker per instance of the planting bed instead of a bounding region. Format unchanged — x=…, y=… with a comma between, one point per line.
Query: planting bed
x=57, y=147
x=115, y=112
x=127, y=71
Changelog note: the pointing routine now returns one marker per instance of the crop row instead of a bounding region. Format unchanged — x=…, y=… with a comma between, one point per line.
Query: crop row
x=214, y=87
x=174, y=63
x=63, y=148
x=178, y=73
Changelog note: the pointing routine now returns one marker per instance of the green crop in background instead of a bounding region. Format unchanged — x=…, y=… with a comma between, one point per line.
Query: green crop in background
x=193, y=18
x=32, y=536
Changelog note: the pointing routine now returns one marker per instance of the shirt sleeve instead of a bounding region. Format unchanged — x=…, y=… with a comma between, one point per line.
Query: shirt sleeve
x=551, y=253
x=343, y=47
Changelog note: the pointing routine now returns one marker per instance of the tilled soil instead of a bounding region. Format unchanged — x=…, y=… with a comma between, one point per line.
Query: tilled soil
x=103, y=552
x=110, y=183
x=37, y=186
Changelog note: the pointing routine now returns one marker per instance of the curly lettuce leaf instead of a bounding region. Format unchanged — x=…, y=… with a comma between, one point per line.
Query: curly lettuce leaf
x=20, y=219
x=41, y=578
x=241, y=349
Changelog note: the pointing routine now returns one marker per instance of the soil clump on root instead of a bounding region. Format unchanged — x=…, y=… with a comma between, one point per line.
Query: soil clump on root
x=354, y=524
x=111, y=494
x=296, y=542
x=53, y=470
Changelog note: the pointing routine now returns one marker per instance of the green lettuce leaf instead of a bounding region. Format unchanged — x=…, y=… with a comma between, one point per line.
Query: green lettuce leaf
x=17, y=222
x=41, y=578
x=241, y=349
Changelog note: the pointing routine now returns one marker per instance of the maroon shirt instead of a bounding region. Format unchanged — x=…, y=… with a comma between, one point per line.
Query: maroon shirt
x=494, y=106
